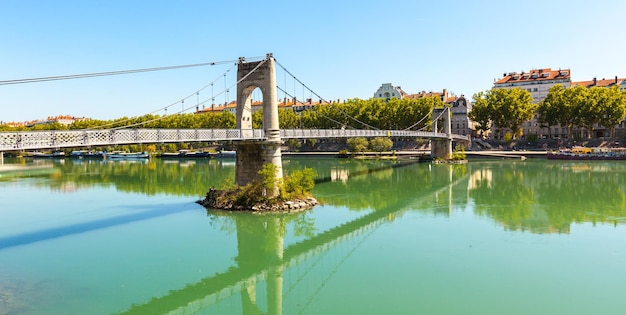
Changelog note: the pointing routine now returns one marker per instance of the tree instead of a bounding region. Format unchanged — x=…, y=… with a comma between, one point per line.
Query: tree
x=586, y=109
x=257, y=120
x=612, y=106
x=294, y=144
x=480, y=113
x=288, y=119
x=551, y=110
x=381, y=144
x=357, y=144
x=508, y=108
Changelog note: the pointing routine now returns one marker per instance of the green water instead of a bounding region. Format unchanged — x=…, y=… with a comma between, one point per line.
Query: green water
x=489, y=237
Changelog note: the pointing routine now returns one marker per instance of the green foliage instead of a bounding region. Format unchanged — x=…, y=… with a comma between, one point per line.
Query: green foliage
x=170, y=147
x=553, y=109
x=480, y=113
x=506, y=108
x=228, y=184
x=381, y=144
x=270, y=181
x=508, y=137
x=298, y=184
x=458, y=153
x=257, y=120
x=582, y=107
x=395, y=114
x=288, y=119
x=358, y=144
x=294, y=144
x=610, y=106
x=249, y=195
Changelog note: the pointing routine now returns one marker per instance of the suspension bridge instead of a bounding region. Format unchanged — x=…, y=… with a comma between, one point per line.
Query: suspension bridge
x=56, y=139
x=255, y=147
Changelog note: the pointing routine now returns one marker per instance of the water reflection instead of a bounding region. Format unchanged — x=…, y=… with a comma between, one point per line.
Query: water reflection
x=549, y=197
x=536, y=196
x=279, y=263
x=256, y=284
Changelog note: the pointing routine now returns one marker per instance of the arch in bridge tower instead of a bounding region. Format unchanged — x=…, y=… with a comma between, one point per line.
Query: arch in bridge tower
x=262, y=75
x=252, y=155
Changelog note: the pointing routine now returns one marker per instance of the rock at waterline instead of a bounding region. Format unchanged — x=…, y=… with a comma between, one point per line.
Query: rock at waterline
x=222, y=200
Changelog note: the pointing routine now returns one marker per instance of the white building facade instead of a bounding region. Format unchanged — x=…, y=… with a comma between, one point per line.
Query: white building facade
x=387, y=91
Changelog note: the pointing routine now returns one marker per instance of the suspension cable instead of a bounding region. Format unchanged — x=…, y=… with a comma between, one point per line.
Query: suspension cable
x=415, y=124
x=109, y=73
x=205, y=101
x=322, y=99
x=339, y=124
x=172, y=104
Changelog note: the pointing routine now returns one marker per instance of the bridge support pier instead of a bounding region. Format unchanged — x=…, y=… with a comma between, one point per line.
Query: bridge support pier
x=441, y=148
x=251, y=156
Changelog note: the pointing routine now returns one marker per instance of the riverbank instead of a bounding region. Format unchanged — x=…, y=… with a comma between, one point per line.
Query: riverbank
x=426, y=153
x=497, y=154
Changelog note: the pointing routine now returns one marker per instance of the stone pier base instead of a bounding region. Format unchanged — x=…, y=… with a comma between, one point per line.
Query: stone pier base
x=251, y=156
x=441, y=149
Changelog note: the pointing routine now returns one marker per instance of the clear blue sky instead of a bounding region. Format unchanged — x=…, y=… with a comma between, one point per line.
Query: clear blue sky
x=340, y=49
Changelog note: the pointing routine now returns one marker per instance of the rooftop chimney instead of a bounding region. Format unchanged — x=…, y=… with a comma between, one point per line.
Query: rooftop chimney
x=594, y=81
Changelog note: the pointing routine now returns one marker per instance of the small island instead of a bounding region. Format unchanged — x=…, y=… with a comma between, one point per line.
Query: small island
x=289, y=194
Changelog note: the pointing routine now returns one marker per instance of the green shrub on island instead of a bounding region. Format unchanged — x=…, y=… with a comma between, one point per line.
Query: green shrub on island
x=298, y=185
x=458, y=153
x=264, y=193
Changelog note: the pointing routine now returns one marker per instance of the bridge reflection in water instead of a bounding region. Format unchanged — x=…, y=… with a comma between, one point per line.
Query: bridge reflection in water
x=292, y=275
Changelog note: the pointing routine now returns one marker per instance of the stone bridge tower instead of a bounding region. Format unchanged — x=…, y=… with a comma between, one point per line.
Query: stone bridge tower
x=252, y=155
x=441, y=148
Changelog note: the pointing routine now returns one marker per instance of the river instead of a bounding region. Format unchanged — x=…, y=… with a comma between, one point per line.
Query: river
x=488, y=237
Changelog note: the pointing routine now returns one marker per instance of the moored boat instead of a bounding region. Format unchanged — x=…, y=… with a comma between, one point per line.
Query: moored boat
x=581, y=153
x=121, y=155
x=225, y=154
x=82, y=154
x=185, y=154
x=48, y=155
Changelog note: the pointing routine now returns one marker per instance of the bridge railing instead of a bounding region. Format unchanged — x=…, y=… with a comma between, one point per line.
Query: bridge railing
x=51, y=139
x=349, y=133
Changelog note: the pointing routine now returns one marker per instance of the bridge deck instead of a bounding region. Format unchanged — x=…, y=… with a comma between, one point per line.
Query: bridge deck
x=56, y=139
